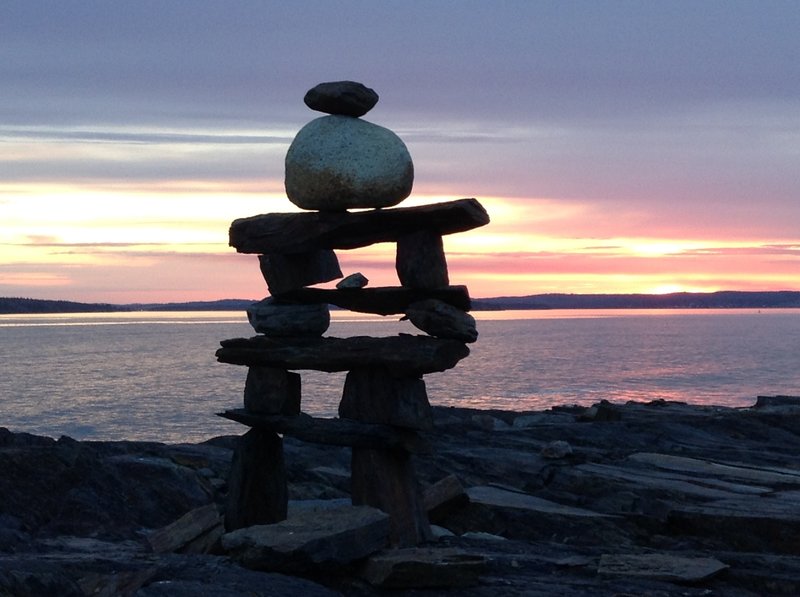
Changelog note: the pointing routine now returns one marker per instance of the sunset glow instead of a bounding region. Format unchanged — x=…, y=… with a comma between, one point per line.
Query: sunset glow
x=119, y=179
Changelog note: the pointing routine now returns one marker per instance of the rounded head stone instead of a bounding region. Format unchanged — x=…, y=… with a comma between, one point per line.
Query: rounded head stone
x=338, y=162
x=346, y=98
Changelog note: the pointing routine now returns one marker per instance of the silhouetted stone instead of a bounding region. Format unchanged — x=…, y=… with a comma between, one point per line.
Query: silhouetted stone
x=441, y=320
x=383, y=300
x=302, y=232
x=420, y=260
x=338, y=162
x=385, y=479
x=347, y=98
x=401, y=355
x=372, y=394
x=335, y=432
x=284, y=272
x=277, y=319
x=311, y=540
x=272, y=391
x=257, y=491
x=357, y=280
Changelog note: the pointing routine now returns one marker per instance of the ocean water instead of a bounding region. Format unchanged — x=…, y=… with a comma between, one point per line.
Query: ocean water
x=153, y=376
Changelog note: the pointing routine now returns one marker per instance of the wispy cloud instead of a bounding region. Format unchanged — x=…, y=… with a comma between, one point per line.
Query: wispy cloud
x=141, y=137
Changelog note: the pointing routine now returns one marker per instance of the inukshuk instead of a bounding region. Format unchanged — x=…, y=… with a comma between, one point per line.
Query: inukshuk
x=336, y=163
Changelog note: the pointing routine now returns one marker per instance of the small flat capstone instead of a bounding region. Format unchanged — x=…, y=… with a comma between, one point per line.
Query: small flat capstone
x=346, y=98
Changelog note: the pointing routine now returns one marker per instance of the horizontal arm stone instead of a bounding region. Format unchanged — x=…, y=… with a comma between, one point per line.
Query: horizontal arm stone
x=401, y=355
x=334, y=432
x=383, y=300
x=302, y=232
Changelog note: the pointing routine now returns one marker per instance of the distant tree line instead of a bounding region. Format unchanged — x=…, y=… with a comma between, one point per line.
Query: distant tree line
x=731, y=299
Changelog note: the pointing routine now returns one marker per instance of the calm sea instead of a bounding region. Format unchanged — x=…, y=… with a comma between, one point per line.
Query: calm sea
x=153, y=376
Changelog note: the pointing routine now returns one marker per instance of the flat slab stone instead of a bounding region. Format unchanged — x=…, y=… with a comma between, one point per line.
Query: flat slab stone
x=322, y=539
x=382, y=300
x=403, y=355
x=423, y=567
x=665, y=567
x=334, y=432
x=710, y=468
x=751, y=523
x=303, y=232
x=503, y=498
x=673, y=482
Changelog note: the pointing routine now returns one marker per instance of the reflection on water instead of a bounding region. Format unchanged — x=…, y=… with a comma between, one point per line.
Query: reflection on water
x=154, y=375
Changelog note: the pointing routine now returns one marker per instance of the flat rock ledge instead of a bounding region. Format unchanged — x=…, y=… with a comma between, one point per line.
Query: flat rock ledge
x=659, y=498
x=311, y=539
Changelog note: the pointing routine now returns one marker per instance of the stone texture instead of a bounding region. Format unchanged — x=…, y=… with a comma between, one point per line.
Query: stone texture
x=765, y=475
x=443, y=497
x=442, y=320
x=382, y=300
x=183, y=534
x=401, y=355
x=334, y=432
x=660, y=567
x=346, y=98
x=374, y=395
x=556, y=450
x=53, y=490
x=72, y=488
x=302, y=232
x=503, y=498
x=257, y=491
x=386, y=479
x=337, y=163
x=272, y=391
x=276, y=319
x=311, y=539
x=353, y=281
x=287, y=272
x=420, y=260
x=423, y=568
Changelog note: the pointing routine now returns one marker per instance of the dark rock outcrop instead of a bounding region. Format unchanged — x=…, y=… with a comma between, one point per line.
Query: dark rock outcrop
x=662, y=499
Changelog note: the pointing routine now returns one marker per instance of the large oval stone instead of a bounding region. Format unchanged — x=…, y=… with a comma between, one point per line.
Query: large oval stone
x=339, y=162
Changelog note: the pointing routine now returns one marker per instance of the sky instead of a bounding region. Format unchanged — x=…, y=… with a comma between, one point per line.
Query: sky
x=618, y=146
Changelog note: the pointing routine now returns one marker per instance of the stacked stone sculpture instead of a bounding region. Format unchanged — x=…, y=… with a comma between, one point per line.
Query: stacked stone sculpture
x=336, y=163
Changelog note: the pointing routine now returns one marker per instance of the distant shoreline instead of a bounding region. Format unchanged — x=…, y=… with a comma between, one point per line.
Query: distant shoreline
x=731, y=299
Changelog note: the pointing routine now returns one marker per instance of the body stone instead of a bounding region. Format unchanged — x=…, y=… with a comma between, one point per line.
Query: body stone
x=337, y=163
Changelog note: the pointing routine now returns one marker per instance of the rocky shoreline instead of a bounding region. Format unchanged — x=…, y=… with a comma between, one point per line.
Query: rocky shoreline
x=617, y=499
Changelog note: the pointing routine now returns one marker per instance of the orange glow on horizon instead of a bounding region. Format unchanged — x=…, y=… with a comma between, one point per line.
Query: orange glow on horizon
x=105, y=242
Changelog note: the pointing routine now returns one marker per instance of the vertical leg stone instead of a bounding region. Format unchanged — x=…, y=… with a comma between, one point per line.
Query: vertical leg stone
x=289, y=272
x=257, y=492
x=373, y=395
x=385, y=479
x=272, y=391
x=420, y=260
